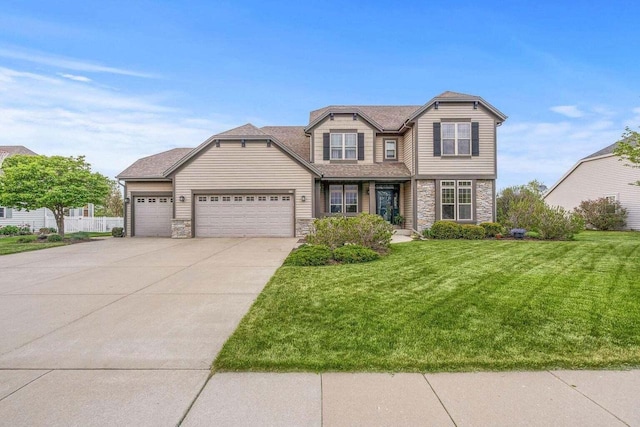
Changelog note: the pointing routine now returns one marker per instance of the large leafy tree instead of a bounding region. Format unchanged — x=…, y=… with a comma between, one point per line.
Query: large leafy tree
x=113, y=204
x=56, y=182
x=628, y=149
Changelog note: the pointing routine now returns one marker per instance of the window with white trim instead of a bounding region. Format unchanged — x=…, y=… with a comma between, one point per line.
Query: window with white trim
x=456, y=139
x=456, y=200
x=344, y=146
x=343, y=198
x=390, y=149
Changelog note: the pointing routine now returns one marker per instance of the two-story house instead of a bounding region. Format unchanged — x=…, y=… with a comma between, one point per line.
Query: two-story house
x=413, y=165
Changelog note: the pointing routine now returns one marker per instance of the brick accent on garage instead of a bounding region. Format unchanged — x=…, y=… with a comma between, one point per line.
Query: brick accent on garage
x=181, y=229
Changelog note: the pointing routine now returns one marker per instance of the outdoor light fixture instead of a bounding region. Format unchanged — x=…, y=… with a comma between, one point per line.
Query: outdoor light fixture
x=181, y=198
x=304, y=198
x=127, y=200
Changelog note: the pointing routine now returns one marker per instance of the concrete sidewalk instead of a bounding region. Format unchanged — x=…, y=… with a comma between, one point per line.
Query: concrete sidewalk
x=558, y=398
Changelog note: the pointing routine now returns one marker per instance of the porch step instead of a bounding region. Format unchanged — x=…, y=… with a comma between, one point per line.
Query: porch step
x=403, y=232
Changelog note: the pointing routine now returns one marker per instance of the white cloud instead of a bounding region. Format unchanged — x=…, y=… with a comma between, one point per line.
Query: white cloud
x=54, y=115
x=68, y=63
x=568, y=110
x=75, y=78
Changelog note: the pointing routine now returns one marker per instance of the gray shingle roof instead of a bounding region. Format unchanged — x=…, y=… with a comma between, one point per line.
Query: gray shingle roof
x=606, y=150
x=389, y=117
x=155, y=165
x=377, y=170
x=244, y=130
x=17, y=149
x=291, y=136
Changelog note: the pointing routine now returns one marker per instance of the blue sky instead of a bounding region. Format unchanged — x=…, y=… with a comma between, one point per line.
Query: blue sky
x=119, y=80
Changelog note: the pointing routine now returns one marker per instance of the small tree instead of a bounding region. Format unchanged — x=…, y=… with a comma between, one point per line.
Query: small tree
x=628, y=149
x=515, y=205
x=56, y=183
x=603, y=214
x=113, y=204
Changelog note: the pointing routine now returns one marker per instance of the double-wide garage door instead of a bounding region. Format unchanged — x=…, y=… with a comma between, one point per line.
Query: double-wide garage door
x=152, y=216
x=244, y=215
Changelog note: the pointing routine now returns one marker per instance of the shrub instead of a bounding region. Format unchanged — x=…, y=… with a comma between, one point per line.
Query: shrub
x=352, y=254
x=24, y=230
x=80, y=235
x=117, y=232
x=368, y=230
x=532, y=235
x=558, y=224
x=426, y=233
x=309, y=255
x=54, y=238
x=47, y=230
x=492, y=228
x=26, y=239
x=472, y=232
x=602, y=214
x=9, y=230
x=446, y=230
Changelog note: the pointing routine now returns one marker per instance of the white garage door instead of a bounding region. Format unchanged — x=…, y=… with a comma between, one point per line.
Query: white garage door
x=244, y=215
x=152, y=216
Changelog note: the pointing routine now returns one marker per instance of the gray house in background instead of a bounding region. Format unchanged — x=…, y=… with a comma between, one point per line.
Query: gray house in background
x=410, y=164
x=600, y=174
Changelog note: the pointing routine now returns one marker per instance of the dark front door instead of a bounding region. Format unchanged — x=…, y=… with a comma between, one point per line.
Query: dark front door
x=388, y=201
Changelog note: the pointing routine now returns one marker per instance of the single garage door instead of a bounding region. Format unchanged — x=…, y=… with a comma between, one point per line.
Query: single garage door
x=152, y=216
x=244, y=215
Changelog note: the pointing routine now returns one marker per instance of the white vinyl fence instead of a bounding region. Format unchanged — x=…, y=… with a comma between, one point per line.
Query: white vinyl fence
x=74, y=224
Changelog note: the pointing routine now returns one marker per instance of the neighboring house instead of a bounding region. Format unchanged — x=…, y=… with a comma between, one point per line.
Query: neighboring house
x=37, y=218
x=421, y=162
x=601, y=174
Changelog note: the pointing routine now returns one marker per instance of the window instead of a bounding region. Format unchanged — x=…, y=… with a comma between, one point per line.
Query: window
x=163, y=200
x=273, y=198
x=202, y=198
x=251, y=198
x=343, y=198
x=215, y=198
x=456, y=139
x=456, y=200
x=286, y=198
x=152, y=200
x=2, y=212
x=344, y=146
x=262, y=198
x=390, y=151
x=140, y=200
x=226, y=198
x=237, y=198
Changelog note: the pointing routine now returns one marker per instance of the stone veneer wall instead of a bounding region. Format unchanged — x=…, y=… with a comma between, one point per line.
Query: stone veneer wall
x=426, y=203
x=302, y=226
x=181, y=229
x=484, y=200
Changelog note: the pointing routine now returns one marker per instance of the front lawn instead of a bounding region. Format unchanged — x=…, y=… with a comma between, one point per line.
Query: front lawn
x=451, y=306
x=9, y=245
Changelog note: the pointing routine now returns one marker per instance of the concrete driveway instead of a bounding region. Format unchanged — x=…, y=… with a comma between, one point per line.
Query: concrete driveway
x=121, y=331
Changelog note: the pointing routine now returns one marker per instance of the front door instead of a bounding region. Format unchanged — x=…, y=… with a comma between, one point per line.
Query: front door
x=388, y=201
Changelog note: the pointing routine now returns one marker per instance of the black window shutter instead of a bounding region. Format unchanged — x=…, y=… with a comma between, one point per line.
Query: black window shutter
x=361, y=146
x=325, y=146
x=437, y=144
x=475, y=139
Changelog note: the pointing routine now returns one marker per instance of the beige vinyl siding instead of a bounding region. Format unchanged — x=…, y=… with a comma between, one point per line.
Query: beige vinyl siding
x=408, y=149
x=597, y=178
x=484, y=164
x=142, y=187
x=344, y=121
x=407, y=205
x=380, y=147
x=365, y=198
x=254, y=167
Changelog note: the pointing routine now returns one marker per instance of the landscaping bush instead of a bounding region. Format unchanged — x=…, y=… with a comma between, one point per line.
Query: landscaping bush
x=370, y=231
x=558, y=224
x=24, y=230
x=309, y=255
x=602, y=214
x=9, y=230
x=352, y=254
x=80, y=235
x=54, y=238
x=117, y=232
x=426, y=233
x=472, y=232
x=26, y=239
x=492, y=228
x=47, y=230
x=532, y=235
x=445, y=230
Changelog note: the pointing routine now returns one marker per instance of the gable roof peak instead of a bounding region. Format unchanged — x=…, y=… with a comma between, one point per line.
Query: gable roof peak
x=451, y=94
x=244, y=130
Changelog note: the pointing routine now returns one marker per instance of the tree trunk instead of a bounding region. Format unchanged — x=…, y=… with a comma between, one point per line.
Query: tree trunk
x=59, y=216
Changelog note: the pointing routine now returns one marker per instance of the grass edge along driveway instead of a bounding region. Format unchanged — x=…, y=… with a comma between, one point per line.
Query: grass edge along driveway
x=451, y=306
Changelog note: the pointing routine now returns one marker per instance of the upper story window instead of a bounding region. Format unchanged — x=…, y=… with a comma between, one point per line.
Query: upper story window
x=344, y=146
x=390, y=149
x=456, y=139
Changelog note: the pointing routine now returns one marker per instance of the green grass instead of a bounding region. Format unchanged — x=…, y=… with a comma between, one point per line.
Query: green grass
x=9, y=246
x=451, y=306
